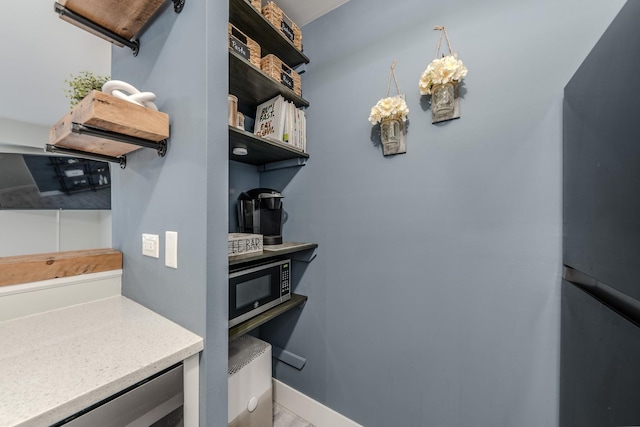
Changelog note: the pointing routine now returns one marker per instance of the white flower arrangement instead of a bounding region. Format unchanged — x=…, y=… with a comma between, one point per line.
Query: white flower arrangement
x=447, y=69
x=393, y=107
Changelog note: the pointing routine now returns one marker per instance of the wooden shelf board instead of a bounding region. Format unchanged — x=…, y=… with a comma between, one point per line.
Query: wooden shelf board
x=260, y=150
x=33, y=268
x=107, y=112
x=126, y=19
x=253, y=87
x=263, y=318
x=271, y=40
x=274, y=252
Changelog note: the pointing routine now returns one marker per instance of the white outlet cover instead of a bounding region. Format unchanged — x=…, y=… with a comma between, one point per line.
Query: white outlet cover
x=171, y=249
x=151, y=245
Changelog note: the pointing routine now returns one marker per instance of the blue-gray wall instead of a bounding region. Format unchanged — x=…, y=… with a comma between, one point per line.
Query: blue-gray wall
x=183, y=59
x=434, y=298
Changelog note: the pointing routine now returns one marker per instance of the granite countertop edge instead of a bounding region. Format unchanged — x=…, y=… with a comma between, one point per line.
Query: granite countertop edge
x=97, y=395
x=99, y=348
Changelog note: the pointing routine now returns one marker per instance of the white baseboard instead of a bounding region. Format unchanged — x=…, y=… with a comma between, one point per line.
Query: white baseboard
x=311, y=410
x=30, y=298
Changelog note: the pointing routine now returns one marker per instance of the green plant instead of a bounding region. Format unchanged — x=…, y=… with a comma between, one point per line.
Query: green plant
x=82, y=84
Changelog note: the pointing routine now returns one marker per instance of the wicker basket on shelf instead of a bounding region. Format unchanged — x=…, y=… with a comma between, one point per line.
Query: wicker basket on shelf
x=278, y=70
x=280, y=20
x=243, y=45
x=257, y=4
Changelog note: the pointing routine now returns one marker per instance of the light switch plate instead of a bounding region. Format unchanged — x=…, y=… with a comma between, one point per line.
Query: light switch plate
x=171, y=249
x=151, y=245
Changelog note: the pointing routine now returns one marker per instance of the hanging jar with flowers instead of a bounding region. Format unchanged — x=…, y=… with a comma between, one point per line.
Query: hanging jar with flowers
x=391, y=113
x=441, y=81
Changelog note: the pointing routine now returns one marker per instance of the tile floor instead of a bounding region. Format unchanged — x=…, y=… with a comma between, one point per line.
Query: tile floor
x=282, y=417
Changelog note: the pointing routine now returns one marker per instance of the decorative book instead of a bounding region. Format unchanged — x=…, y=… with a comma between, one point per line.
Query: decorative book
x=270, y=118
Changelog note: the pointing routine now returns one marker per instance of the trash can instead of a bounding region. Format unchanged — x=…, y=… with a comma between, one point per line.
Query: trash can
x=250, y=388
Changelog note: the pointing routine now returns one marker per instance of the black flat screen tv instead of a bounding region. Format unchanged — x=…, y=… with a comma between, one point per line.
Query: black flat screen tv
x=42, y=181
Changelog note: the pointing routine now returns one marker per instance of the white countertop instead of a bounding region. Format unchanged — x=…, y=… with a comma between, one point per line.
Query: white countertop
x=57, y=363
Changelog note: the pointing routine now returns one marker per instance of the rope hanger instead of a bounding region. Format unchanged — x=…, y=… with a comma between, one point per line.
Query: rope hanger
x=392, y=72
x=442, y=31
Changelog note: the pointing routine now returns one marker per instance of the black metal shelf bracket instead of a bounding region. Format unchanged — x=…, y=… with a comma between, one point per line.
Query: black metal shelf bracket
x=282, y=164
x=178, y=5
x=114, y=38
x=80, y=129
x=122, y=160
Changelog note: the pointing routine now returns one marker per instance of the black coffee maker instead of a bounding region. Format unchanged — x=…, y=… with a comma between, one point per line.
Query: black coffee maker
x=260, y=212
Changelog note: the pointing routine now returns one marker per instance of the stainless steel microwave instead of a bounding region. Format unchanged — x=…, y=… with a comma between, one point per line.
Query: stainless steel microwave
x=256, y=289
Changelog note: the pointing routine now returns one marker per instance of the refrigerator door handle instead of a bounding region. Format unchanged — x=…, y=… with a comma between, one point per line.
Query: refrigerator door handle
x=578, y=278
x=622, y=303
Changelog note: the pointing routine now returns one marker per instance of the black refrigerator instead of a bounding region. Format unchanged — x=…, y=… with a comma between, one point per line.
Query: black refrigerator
x=600, y=313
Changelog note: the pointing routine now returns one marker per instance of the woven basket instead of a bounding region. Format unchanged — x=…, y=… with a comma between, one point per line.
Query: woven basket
x=240, y=43
x=280, y=20
x=257, y=4
x=278, y=70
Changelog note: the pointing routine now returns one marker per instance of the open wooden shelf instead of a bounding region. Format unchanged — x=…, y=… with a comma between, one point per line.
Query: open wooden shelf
x=123, y=18
x=248, y=325
x=119, y=22
x=253, y=87
x=273, y=251
x=260, y=150
x=109, y=127
x=271, y=40
x=33, y=268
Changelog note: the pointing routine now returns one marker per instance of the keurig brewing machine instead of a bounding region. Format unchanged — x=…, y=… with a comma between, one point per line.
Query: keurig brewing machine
x=260, y=212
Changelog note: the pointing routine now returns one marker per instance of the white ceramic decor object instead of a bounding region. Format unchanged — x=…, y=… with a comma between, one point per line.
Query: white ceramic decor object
x=118, y=87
